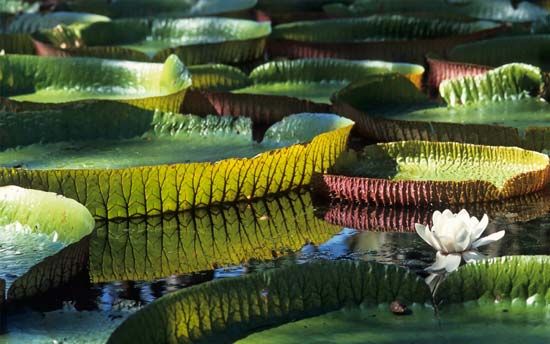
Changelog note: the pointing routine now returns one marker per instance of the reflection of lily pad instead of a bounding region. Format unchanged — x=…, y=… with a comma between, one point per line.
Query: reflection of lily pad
x=494, y=108
x=230, y=309
x=133, y=162
x=369, y=217
x=59, y=80
x=194, y=41
x=164, y=8
x=422, y=172
x=391, y=38
x=147, y=249
x=317, y=79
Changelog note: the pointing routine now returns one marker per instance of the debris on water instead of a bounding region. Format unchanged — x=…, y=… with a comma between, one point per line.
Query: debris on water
x=399, y=308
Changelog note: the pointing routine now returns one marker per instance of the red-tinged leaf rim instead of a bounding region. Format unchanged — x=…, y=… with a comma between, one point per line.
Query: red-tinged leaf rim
x=262, y=109
x=440, y=70
x=328, y=39
x=414, y=173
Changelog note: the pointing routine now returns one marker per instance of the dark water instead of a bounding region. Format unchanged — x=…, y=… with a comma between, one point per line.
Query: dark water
x=132, y=263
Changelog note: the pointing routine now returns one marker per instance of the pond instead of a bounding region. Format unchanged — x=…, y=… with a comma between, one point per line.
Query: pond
x=131, y=264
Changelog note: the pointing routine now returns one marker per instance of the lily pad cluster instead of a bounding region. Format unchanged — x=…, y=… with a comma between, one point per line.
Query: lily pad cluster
x=145, y=140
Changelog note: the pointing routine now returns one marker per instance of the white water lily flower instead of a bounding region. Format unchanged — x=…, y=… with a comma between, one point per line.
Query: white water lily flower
x=456, y=236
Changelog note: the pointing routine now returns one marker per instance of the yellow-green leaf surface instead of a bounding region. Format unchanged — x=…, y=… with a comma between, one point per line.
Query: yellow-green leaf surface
x=317, y=79
x=59, y=80
x=226, y=310
x=422, y=172
x=149, y=163
x=157, y=247
x=193, y=40
x=501, y=107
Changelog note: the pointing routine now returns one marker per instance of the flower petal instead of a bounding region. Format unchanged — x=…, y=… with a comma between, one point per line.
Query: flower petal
x=464, y=216
x=427, y=235
x=472, y=256
x=488, y=239
x=480, y=227
x=448, y=262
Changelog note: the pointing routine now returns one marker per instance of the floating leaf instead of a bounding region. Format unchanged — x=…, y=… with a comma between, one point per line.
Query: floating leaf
x=194, y=41
x=391, y=38
x=229, y=309
x=60, y=80
x=425, y=173
x=523, y=278
x=162, y=8
x=148, y=163
x=501, y=10
x=390, y=108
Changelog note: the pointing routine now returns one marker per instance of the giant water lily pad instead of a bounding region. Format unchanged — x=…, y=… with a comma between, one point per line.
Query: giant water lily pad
x=226, y=310
x=195, y=40
x=317, y=79
x=347, y=302
x=60, y=80
x=36, y=224
x=422, y=172
x=190, y=242
x=532, y=49
x=131, y=162
x=163, y=8
x=276, y=89
x=501, y=10
x=499, y=107
x=391, y=38
x=501, y=323
x=15, y=34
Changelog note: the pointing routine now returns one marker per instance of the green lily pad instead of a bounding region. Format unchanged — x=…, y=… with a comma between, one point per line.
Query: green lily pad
x=160, y=8
x=190, y=242
x=456, y=324
x=229, y=309
x=422, y=172
x=15, y=36
x=347, y=302
x=501, y=10
x=517, y=279
x=317, y=79
x=36, y=224
x=500, y=107
x=532, y=49
x=130, y=162
x=60, y=80
x=195, y=40
x=389, y=37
